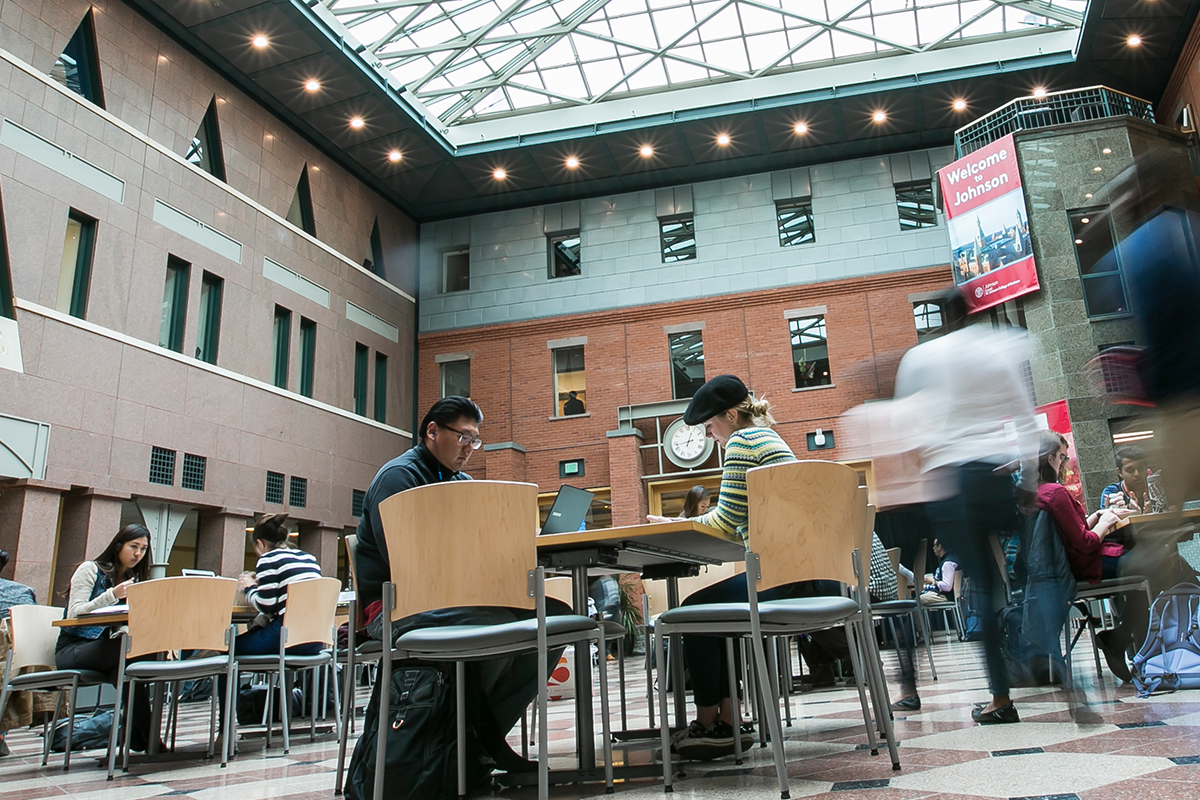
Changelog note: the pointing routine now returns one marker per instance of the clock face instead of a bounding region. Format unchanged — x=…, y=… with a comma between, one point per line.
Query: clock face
x=688, y=441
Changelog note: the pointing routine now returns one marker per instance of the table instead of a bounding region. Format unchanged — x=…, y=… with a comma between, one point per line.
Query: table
x=668, y=550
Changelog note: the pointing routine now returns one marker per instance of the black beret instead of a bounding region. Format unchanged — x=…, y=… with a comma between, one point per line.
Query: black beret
x=714, y=397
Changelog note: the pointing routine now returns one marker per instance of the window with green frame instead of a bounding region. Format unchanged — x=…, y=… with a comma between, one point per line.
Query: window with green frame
x=208, y=332
x=75, y=275
x=380, y=387
x=78, y=68
x=6, y=289
x=205, y=149
x=308, y=355
x=360, y=379
x=174, y=304
x=283, y=341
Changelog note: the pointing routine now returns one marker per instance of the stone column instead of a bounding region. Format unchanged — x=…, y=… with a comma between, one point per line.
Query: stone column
x=90, y=520
x=322, y=540
x=29, y=519
x=221, y=541
x=625, y=471
x=504, y=461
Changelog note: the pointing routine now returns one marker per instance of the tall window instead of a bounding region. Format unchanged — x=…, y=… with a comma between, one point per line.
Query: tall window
x=360, y=379
x=375, y=261
x=564, y=255
x=928, y=318
x=300, y=213
x=677, y=237
x=174, y=304
x=6, y=288
x=570, y=382
x=1099, y=263
x=810, y=351
x=78, y=68
x=283, y=342
x=75, y=275
x=308, y=355
x=380, y=387
x=456, y=271
x=687, y=363
x=795, y=222
x=456, y=378
x=914, y=201
x=208, y=332
x=205, y=149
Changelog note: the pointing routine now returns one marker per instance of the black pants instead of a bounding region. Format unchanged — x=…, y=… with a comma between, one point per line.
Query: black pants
x=104, y=655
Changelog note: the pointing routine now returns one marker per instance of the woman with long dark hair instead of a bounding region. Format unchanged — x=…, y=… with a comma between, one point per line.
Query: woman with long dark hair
x=101, y=582
x=696, y=503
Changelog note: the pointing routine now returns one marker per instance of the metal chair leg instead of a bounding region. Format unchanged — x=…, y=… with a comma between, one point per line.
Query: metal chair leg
x=735, y=708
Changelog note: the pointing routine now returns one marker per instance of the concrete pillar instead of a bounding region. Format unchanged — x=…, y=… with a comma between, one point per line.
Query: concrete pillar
x=322, y=541
x=504, y=461
x=625, y=470
x=221, y=541
x=29, y=519
x=89, y=522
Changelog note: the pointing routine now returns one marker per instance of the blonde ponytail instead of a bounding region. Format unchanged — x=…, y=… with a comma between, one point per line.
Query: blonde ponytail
x=755, y=411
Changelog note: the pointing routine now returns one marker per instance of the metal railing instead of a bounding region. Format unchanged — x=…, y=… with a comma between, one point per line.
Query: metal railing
x=1055, y=108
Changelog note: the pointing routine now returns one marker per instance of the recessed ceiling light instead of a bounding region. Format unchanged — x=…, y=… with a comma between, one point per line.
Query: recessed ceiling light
x=1106, y=150
x=1133, y=41
x=801, y=128
x=260, y=41
x=312, y=85
x=723, y=139
x=499, y=174
x=1085, y=220
x=162, y=57
x=1039, y=91
x=1079, y=241
x=1088, y=196
x=879, y=116
x=394, y=156
x=572, y=162
x=1097, y=169
x=960, y=105
x=357, y=122
x=646, y=151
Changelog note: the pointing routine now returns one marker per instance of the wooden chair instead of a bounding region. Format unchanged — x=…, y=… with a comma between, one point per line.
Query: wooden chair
x=353, y=656
x=307, y=618
x=33, y=638
x=168, y=614
x=808, y=520
x=472, y=543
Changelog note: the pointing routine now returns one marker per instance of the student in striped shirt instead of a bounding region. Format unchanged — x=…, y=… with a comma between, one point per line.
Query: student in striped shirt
x=278, y=565
x=743, y=425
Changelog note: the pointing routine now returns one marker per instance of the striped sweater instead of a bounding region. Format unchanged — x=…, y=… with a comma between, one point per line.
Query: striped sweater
x=274, y=571
x=746, y=449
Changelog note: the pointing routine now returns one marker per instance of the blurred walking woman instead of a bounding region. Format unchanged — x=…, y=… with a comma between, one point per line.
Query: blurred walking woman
x=101, y=582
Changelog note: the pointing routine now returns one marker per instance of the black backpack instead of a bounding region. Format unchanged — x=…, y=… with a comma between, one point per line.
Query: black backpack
x=422, y=745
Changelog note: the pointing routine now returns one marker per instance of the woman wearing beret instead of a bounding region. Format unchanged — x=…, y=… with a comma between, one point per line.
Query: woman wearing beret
x=742, y=424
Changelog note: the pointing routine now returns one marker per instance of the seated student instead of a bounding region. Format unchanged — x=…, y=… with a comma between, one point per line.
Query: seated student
x=743, y=425
x=18, y=706
x=102, y=582
x=696, y=503
x=1133, y=490
x=939, y=587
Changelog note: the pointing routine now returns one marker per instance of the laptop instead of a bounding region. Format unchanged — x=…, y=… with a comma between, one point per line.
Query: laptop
x=569, y=510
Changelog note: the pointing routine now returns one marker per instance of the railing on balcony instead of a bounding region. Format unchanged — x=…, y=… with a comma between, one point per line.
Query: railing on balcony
x=1055, y=108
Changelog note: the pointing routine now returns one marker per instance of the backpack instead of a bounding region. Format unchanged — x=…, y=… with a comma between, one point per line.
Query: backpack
x=87, y=732
x=420, y=723
x=1170, y=657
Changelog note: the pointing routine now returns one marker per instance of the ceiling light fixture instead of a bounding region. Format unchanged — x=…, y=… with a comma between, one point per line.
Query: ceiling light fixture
x=1039, y=91
x=1106, y=150
x=499, y=174
x=960, y=105
x=260, y=41
x=357, y=122
x=1097, y=169
x=1134, y=41
x=646, y=151
x=1088, y=196
x=723, y=139
x=879, y=116
x=1085, y=220
x=572, y=162
x=1079, y=241
x=801, y=128
x=312, y=85
x=394, y=156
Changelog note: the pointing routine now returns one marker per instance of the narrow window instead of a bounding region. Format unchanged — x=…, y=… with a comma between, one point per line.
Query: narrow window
x=194, y=467
x=75, y=275
x=914, y=201
x=380, y=387
x=375, y=261
x=456, y=378
x=456, y=271
x=162, y=466
x=308, y=355
x=174, y=304
x=795, y=222
x=564, y=254
x=298, y=492
x=687, y=363
x=6, y=287
x=274, y=493
x=570, y=382
x=205, y=150
x=208, y=332
x=678, y=239
x=78, y=68
x=810, y=351
x=929, y=321
x=283, y=341
x=360, y=379
x=1099, y=262
x=300, y=213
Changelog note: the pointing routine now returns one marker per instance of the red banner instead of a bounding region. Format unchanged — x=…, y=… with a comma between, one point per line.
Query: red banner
x=991, y=252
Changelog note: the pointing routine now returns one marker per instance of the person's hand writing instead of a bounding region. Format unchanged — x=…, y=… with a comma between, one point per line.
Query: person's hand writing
x=121, y=590
x=246, y=580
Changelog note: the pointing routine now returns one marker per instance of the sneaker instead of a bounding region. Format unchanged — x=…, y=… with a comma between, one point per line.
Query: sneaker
x=715, y=741
x=695, y=731
x=1001, y=716
x=910, y=703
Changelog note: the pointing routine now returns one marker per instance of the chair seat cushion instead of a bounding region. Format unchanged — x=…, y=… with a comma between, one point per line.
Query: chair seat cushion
x=456, y=638
x=271, y=662
x=176, y=670
x=57, y=677
x=612, y=630
x=814, y=611
x=894, y=607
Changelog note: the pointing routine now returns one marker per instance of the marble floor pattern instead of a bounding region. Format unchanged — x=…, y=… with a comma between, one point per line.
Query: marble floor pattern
x=1116, y=746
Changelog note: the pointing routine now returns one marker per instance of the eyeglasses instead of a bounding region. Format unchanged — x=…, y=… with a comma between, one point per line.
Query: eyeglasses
x=466, y=438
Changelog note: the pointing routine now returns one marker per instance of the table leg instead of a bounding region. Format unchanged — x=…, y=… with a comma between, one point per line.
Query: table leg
x=676, y=661
x=585, y=738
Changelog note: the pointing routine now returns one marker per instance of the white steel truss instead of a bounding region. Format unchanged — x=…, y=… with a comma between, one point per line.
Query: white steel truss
x=469, y=60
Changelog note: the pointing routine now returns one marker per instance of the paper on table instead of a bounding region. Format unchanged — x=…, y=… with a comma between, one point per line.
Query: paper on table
x=345, y=597
x=119, y=608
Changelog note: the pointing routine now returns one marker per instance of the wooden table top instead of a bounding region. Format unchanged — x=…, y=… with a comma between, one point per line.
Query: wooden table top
x=684, y=541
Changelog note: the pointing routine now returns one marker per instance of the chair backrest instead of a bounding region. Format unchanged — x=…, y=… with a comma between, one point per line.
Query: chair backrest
x=919, y=562
x=180, y=614
x=311, y=607
x=958, y=579
x=560, y=589
x=461, y=543
x=902, y=591
x=351, y=552
x=806, y=520
x=33, y=636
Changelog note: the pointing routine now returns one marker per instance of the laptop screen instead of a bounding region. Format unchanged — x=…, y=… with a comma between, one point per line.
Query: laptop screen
x=569, y=510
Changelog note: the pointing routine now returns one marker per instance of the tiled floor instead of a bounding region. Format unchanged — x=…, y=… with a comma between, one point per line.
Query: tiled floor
x=1117, y=746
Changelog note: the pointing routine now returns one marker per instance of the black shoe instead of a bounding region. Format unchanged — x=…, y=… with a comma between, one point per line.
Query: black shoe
x=715, y=741
x=910, y=703
x=1001, y=716
x=1114, y=654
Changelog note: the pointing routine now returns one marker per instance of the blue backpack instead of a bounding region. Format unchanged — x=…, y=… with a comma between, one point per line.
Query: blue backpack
x=1170, y=657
